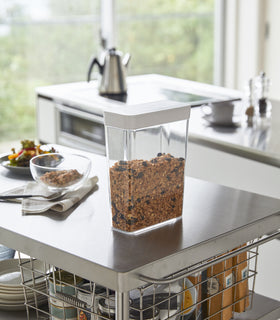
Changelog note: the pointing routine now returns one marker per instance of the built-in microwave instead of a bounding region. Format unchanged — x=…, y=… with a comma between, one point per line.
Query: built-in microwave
x=68, y=126
x=72, y=114
x=84, y=129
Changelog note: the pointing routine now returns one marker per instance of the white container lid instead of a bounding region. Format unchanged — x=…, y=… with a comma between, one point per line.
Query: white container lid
x=147, y=114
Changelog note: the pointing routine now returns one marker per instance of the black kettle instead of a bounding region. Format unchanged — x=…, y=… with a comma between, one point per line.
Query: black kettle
x=112, y=71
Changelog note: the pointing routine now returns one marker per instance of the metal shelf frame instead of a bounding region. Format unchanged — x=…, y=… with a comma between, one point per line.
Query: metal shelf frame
x=123, y=300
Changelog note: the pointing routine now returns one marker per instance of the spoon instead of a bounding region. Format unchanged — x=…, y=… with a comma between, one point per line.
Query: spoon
x=52, y=196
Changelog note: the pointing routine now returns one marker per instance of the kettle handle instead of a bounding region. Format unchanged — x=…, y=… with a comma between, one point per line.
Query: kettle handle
x=92, y=63
x=126, y=59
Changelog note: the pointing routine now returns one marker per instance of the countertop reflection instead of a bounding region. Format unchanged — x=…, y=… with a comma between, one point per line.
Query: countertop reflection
x=259, y=143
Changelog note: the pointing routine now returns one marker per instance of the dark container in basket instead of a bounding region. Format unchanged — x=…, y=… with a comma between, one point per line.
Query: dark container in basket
x=91, y=299
x=149, y=314
x=85, y=294
x=107, y=307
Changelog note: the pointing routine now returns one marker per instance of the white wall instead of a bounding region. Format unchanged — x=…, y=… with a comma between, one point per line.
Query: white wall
x=244, y=36
x=272, y=47
x=252, y=43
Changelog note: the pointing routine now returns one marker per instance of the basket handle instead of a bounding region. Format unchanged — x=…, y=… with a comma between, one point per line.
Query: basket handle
x=184, y=273
x=71, y=300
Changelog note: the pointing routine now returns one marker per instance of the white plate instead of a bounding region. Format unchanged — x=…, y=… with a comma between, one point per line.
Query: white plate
x=17, y=170
x=19, y=289
x=9, y=307
x=21, y=299
x=13, y=295
x=10, y=276
x=11, y=291
x=12, y=288
x=20, y=306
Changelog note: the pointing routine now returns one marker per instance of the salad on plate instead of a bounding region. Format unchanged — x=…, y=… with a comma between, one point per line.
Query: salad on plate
x=17, y=162
x=28, y=151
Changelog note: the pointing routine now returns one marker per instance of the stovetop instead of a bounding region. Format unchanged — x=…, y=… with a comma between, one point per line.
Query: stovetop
x=141, y=89
x=140, y=92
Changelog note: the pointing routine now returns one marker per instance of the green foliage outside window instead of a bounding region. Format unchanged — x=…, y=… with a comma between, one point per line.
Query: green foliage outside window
x=173, y=37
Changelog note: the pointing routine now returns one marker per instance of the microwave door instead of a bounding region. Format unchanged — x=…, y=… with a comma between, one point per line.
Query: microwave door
x=81, y=127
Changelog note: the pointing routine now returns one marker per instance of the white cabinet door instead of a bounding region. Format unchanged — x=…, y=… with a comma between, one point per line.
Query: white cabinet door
x=233, y=171
x=46, y=120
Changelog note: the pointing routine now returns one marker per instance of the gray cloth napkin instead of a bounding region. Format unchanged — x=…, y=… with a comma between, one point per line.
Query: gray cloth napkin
x=36, y=205
x=14, y=191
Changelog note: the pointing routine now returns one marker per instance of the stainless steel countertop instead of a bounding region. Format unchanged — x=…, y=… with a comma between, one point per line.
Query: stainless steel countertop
x=215, y=219
x=258, y=144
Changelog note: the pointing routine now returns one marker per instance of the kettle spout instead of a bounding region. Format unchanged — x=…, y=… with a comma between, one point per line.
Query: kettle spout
x=126, y=59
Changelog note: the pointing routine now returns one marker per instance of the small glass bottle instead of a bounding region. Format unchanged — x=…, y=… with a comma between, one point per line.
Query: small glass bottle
x=263, y=104
x=249, y=103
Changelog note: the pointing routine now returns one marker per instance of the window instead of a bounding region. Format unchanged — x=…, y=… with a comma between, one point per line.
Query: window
x=174, y=38
x=45, y=42
x=42, y=42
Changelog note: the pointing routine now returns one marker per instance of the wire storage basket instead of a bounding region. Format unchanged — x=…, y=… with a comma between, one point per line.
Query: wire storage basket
x=218, y=288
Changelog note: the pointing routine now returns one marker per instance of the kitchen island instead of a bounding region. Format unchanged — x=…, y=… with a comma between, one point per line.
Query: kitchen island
x=76, y=110
x=82, y=242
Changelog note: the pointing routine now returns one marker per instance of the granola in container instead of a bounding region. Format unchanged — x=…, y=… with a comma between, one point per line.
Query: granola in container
x=145, y=193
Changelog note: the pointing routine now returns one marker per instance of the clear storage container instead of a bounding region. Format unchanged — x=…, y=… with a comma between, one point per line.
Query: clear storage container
x=146, y=149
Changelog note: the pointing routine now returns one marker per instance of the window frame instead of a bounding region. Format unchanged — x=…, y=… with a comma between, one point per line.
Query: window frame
x=244, y=41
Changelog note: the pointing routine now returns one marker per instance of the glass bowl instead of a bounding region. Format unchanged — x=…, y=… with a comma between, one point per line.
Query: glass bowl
x=60, y=172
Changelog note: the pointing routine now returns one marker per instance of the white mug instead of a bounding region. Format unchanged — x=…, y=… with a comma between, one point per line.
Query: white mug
x=219, y=112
